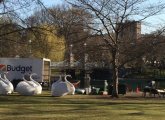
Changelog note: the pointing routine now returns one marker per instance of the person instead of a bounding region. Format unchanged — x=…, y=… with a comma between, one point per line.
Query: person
x=152, y=84
x=87, y=84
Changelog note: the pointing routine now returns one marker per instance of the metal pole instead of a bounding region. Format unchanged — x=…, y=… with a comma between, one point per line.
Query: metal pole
x=30, y=51
x=71, y=57
x=86, y=75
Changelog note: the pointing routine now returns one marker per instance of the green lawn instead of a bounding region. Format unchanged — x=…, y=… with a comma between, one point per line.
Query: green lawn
x=80, y=107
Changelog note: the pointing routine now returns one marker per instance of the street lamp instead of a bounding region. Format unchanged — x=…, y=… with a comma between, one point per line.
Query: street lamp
x=71, y=61
x=30, y=49
x=85, y=56
x=86, y=75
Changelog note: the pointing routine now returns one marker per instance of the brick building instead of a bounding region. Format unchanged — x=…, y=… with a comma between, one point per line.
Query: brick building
x=130, y=31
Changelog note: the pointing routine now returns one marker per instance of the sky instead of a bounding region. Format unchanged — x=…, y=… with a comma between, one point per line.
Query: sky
x=149, y=25
x=52, y=2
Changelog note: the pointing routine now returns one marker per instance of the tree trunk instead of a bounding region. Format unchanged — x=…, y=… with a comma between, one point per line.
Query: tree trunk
x=115, y=73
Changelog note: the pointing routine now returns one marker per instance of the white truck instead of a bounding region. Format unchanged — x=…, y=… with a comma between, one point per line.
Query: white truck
x=18, y=67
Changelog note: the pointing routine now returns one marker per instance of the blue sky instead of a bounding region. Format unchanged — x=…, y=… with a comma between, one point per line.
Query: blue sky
x=52, y=2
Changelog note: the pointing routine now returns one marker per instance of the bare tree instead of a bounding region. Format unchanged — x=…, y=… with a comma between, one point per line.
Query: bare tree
x=109, y=21
x=68, y=22
x=12, y=16
x=154, y=44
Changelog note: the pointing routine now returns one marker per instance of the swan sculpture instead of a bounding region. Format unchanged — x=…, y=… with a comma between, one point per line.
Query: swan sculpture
x=6, y=87
x=62, y=88
x=38, y=87
x=29, y=87
x=59, y=88
x=70, y=85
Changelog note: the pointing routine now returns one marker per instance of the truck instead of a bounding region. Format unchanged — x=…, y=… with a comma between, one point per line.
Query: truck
x=16, y=68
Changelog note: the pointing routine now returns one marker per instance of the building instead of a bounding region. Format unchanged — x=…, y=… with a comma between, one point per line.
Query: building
x=130, y=31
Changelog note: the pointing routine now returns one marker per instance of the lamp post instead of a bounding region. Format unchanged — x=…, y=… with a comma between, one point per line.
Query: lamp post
x=86, y=75
x=71, y=57
x=30, y=48
x=85, y=56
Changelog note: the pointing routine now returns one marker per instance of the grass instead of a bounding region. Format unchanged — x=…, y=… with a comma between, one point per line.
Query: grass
x=80, y=107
